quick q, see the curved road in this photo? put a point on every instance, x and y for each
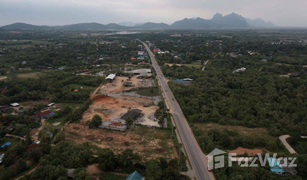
(194, 152)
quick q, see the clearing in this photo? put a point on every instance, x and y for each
(150, 143)
(34, 75)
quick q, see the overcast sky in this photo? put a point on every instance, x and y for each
(60, 12)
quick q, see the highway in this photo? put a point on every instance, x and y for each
(194, 152)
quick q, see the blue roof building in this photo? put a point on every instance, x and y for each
(275, 166)
(6, 144)
(179, 81)
(135, 176)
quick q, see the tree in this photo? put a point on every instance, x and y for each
(107, 160)
(96, 121)
(80, 174)
(302, 165)
(129, 122)
(21, 166)
(153, 170)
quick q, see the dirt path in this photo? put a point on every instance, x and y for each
(205, 63)
(283, 140)
(19, 137)
(94, 93)
(29, 172)
(35, 136)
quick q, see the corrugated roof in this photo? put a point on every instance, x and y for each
(135, 176)
(111, 76)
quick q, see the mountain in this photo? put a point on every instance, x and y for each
(260, 23)
(126, 23)
(115, 26)
(193, 23)
(231, 20)
(153, 25)
(82, 26)
(24, 26)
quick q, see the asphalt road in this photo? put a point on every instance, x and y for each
(194, 152)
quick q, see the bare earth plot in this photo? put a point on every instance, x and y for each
(148, 142)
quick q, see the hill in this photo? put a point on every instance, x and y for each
(259, 23)
(193, 23)
(153, 25)
(231, 20)
(24, 26)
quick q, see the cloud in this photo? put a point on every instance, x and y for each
(59, 12)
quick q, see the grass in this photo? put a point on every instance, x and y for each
(61, 119)
(147, 92)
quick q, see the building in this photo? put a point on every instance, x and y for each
(31, 146)
(133, 58)
(264, 60)
(135, 176)
(5, 109)
(110, 77)
(140, 53)
(133, 114)
(242, 69)
(6, 144)
(51, 104)
(140, 72)
(45, 114)
(14, 104)
(1, 157)
(187, 79)
(180, 81)
(275, 166)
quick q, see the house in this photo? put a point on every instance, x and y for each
(45, 114)
(51, 104)
(61, 68)
(50, 134)
(110, 77)
(31, 146)
(1, 157)
(295, 74)
(142, 63)
(275, 166)
(180, 81)
(140, 53)
(187, 79)
(133, 58)
(14, 104)
(242, 69)
(156, 50)
(264, 60)
(135, 176)
(287, 169)
(6, 144)
(5, 109)
(21, 111)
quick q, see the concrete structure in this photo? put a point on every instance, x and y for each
(140, 72)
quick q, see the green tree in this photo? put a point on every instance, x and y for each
(80, 174)
(107, 160)
(96, 121)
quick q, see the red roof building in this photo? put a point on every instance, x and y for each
(31, 146)
(133, 58)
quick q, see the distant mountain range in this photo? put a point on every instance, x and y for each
(232, 20)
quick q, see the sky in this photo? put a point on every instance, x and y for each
(290, 13)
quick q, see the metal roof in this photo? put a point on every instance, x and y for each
(111, 76)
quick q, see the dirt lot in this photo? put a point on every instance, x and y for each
(108, 107)
(148, 142)
(29, 75)
(250, 152)
(117, 85)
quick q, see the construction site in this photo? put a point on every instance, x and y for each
(115, 106)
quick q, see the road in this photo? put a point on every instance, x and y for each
(194, 152)
(284, 138)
